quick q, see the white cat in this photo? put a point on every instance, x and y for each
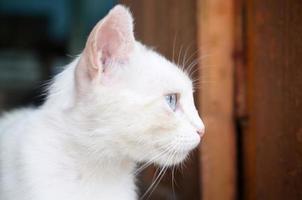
(117, 104)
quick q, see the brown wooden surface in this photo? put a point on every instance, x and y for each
(165, 25)
(216, 37)
(273, 140)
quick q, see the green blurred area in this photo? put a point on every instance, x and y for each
(37, 38)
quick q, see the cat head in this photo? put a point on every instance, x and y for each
(133, 98)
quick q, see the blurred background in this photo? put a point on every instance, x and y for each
(246, 58)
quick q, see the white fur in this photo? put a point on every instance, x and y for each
(85, 141)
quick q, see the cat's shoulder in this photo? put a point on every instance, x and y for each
(16, 114)
(9, 119)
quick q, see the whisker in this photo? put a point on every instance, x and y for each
(192, 56)
(147, 164)
(184, 60)
(169, 159)
(159, 180)
(150, 187)
(193, 64)
(153, 186)
(173, 178)
(173, 51)
(179, 55)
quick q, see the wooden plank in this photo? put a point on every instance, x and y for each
(275, 100)
(167, 25)
(218, 155)
(249, 135)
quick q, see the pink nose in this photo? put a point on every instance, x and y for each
(201, 131)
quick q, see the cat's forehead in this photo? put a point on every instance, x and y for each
(156, 72)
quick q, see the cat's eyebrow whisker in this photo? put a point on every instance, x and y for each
(197, 51)
(185, 60)
(195, 62)
(201, 69)
(193, 72)
(191, 56)
(205, 77)
(196, 80)
(179, 55)
(198, 86)
(191, 66)
(173, 51)
(199, 82)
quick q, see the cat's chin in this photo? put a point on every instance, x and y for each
(172, 160)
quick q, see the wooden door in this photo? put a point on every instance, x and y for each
(272, 140)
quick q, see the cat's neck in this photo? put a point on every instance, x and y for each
(101, 168)
(88, 158)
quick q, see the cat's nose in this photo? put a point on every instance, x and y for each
(201, 131)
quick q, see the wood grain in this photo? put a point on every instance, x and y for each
(218, 155)
(273, 137)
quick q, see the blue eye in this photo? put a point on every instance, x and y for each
(171, 100)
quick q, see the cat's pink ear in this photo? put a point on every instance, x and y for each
(111, 40)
